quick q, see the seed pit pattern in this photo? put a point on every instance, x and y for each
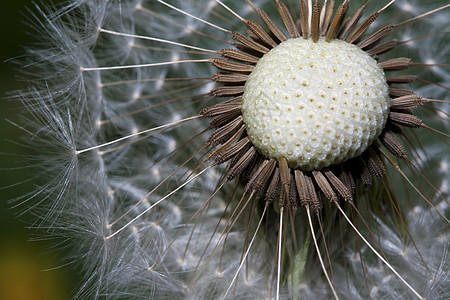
(286, 112)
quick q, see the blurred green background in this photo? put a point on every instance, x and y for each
(22, 262)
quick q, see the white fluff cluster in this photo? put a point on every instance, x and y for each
(184, 247)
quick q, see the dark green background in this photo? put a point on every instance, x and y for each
(22, 262)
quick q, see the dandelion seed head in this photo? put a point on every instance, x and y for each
(112, 206)
(346, 93)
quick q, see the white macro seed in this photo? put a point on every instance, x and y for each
(316, 104)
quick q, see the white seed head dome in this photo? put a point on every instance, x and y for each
(316, 104)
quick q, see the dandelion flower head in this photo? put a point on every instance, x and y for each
(212, 149)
